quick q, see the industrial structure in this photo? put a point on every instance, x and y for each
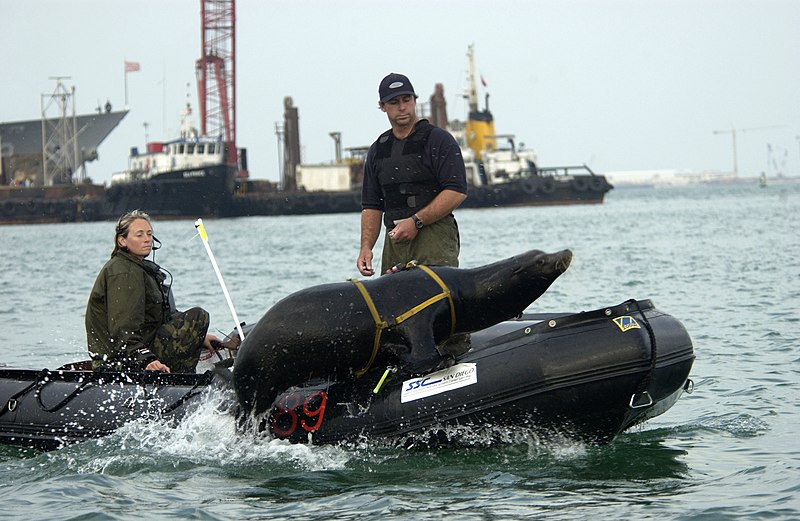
(216, 76)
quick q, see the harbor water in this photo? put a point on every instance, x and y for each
(725, 260)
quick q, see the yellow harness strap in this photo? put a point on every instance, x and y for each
(445, 293)
(380, 324)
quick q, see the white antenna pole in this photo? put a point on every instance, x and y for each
(203, 235)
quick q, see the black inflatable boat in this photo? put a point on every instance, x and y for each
(589, 376)
(48, 409)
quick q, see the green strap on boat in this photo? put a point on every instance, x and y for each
(381, 324)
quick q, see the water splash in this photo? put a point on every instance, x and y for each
(207, 436)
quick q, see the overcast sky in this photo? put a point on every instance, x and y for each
(617, 84)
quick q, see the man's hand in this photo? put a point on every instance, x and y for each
(364, 263)
(405, 230)
(370, 229)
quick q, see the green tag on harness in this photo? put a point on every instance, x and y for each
(383, 379)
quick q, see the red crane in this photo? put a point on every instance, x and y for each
(216, 75)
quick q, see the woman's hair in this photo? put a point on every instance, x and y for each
(124, 225)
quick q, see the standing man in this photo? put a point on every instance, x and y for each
(414, 177)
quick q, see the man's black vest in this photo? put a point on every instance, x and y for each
(406, 179)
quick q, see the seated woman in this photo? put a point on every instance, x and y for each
(131, 321)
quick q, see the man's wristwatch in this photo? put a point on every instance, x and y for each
(418, 222)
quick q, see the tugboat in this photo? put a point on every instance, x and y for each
(507, 175)
(187, 176)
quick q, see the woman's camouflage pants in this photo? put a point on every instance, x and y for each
(178, 341)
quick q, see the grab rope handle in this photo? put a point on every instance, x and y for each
(641, 398)
(44, 379)
(13, 400)
(191, 393)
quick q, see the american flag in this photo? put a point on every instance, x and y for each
(131, 66)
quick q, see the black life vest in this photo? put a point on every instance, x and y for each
(406, 177)
(167, 298)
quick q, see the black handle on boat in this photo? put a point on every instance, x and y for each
(11, 404)
(204, 380)
(44, 378)
(641, 398)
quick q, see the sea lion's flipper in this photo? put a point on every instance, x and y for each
(455, 345)
(422, 355)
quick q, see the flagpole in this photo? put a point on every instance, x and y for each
(129, 67)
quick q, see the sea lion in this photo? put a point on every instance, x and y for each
(330, 330)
